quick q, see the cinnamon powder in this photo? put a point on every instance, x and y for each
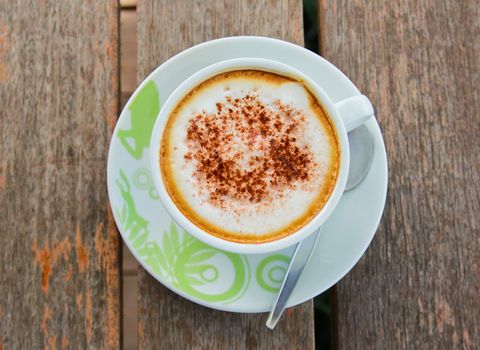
(247, 150)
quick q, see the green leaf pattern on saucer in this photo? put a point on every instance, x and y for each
(144, 109)
(191, 266)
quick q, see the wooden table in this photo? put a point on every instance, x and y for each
(418, 285)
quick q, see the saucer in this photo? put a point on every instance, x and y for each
(203, 274)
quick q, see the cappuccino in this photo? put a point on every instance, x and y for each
(249, 156)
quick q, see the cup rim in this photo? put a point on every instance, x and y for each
(231, 65)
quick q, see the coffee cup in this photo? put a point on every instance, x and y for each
(342, 116)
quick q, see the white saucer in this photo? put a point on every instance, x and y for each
(203, 274)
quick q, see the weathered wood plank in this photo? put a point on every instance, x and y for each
(59, 265)
(166, 320)
(168, 27)
(419, 284)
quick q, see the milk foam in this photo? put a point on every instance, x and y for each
(242, 218)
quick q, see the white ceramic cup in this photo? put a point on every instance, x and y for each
(344, 115)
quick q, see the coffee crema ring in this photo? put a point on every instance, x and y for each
(249, 156)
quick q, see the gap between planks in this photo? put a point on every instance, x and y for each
(128, 82)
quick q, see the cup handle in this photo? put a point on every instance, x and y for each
(355, 111)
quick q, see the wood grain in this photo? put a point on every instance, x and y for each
(165, 319)
(418, 286)
(59, 265)
(169, 27)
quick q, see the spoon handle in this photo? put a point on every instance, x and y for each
(301, 255)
